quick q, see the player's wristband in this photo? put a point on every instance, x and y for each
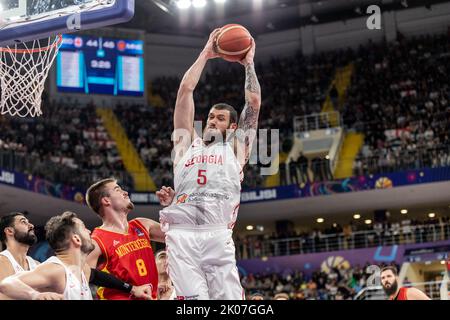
(107, 280)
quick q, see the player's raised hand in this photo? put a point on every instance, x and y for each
(210, 47)
(250, 55)
(165, 195)
(142, 292)
(48, 296)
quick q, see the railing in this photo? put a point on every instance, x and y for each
(341, 241)
(317, 121)
(436, 157)
(403, 160)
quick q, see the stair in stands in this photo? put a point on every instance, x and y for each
(353, 142)
(131, 159)
(274, 180)
(342, 80)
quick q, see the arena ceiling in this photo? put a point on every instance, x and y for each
(260, 16)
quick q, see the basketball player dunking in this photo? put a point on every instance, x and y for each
(207, 176)
(389, 281)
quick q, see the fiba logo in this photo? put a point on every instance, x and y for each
(383, 183)
(334, 262)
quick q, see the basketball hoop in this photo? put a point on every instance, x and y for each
(24, 68)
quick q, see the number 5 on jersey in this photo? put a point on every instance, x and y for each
(201, 180)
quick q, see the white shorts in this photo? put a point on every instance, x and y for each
(202, 263)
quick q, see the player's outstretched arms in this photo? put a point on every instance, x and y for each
(165, 196)
(248, 121)
(107, 280)
(27, 285)
(184, 106)
(154, 229)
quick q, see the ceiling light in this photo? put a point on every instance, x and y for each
(356, 216)
(220, 1)
(199, 3)
(403, 211)
(368, 221)
(183, 4)
(249, 227)
(320, 220)
(432, 215)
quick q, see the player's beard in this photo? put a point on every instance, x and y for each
(392, 289)
(27, 238)
(211, 135)
(87, 246)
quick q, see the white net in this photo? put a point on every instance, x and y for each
(23, 70)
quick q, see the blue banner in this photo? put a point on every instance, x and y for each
(42, 186)
(354, 184)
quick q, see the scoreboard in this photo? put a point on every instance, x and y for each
(96, 65)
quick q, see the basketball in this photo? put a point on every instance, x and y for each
(233, 42)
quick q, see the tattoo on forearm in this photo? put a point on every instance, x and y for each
(251, 80)
(248, 122)
(249, 118)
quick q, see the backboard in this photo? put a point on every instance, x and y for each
(25, 20)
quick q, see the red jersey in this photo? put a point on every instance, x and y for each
(129, 257)
(402, 294)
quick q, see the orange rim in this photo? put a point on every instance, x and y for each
(56, 43)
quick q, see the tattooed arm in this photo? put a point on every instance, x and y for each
(184, 105)
(248, 122)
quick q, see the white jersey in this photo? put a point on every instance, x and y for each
(207, 187)
(16, 266)
(74, 290)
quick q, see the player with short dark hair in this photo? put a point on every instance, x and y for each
(208, 172)
(122, 247)
(17, 236)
